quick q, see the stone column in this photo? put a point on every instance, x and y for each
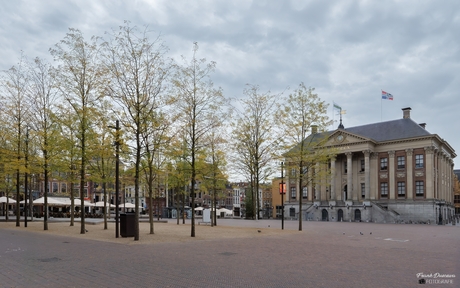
(333, 179)
(367, 174)
(446, 177)
(391, 175)
(317, 186)
(310, 186)
(374, 167)
(410, 174)
(349, 175)
(429, 172)
(442, 176)
(436, 173)
(451, 179)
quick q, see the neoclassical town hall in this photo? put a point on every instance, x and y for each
(393, 171)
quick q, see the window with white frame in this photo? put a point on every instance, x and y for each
(401, 189)
(383, 164)
(419, 188)
(384, 189)
(293, 192)
(419, 161)
(304, 192)
(401, 162)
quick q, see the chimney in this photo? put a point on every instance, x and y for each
(314, 129)
(406, 113)
(423, 125)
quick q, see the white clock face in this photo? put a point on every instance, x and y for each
(340, 137)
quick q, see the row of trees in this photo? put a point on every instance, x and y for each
(173, 119)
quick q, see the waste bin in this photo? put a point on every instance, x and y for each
(127, 221)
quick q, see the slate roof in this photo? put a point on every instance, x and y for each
(390, 130)
(382, 131)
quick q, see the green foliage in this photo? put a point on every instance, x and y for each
(304, 119)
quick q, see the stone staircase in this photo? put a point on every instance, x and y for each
(383, 214)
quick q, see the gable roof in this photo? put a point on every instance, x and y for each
(390, 130)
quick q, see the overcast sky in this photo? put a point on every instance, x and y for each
(348, 50)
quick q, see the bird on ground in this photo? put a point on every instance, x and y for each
(259, 231)
(86, 230)
(343, 233)
(361, 233)
(371, 233)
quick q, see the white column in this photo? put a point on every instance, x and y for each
(349, 175)
(391, 175)
(367, 174)
(451, 179)
(436, 173)
(333, 179)
(317, 186)
(429, 172)
(443, 176)
(375, 168)
(410, 174)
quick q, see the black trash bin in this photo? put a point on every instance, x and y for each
(127, 221)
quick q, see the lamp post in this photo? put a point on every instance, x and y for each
(25, 178)
(282, 192)
(117, 176)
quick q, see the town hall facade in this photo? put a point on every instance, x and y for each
(394, 172)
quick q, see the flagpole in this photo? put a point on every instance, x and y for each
(381, 104)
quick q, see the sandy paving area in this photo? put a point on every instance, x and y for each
(163, 232)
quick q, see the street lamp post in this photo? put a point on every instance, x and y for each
(25, 178)
(117, 177)
(282, 192)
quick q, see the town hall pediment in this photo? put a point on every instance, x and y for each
(341, 137)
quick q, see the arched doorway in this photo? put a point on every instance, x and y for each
(345, 194)
(358, 215)
(324, 215)
(340, 215)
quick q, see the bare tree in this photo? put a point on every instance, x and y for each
(155, 137)
(68, 158)
(80, 78)
(43, 99)
(138, 71)
(197, 102)
(214, 172)
(302, 113)
(102, 160)
(14, 82)
(255, 140)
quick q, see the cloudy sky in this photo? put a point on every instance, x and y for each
(348, 50)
